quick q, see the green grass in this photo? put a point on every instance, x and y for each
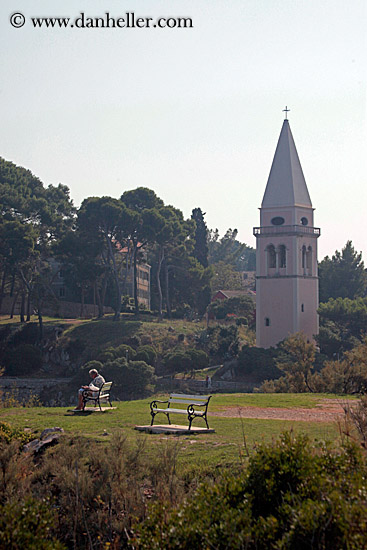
(224, 447)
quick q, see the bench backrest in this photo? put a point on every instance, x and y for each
(105, 388)
(201, 400)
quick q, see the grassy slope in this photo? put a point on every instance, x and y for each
(223, 447)
(103, 333)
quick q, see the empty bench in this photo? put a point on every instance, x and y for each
(102, 395)
(193, 406)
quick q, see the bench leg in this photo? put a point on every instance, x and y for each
(206, 422)
(169, 420)
(152, 414)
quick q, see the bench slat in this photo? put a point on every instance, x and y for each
(178, 411)
(188, 397)
(201, 404)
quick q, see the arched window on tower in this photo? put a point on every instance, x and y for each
(282, 256)
(271, 256)
(303, 257)
(309, 260)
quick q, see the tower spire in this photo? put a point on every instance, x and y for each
(286, 184)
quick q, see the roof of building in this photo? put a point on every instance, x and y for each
(286, 184)
(235, 293)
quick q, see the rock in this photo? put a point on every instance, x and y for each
(31, 446)
(48, 437)
(48, 431)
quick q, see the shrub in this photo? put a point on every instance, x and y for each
(199, 359)
(130, 379)
(27, 525)
(97, 365)
(8, 434)
(125, 351)
(177, 361)
(242, 306)
(294, 495)
(134, 341)
(106, 355)
(147, 354)
(257, 362)
(223, 341)
(242, 321)
(185, 360)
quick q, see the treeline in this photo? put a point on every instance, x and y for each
(41, 232)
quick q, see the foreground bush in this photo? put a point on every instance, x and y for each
(8, 434)
(293, 496)
(27, 526)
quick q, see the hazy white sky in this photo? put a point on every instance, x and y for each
(194, 114)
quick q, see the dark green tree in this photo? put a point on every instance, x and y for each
(201, 237)
(165, 227)
(343, 324)
(242, 306)
(79, 255)
(39, 216)
(343, 275)
(225, 277)
(109, 221)
(230, 251)
(138, 234)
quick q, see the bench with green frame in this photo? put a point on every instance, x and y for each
(194, 406)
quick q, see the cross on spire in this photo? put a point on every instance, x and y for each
(286, 111)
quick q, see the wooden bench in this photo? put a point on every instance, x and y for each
(193, 406)
(102, 394)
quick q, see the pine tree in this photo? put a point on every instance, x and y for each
(343, 276)
(201, 237)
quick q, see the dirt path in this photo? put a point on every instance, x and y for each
(328, 410)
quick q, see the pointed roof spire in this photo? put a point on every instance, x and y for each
(286, 184)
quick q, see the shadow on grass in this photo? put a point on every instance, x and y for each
(71, 412)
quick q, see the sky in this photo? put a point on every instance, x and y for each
(193, 113)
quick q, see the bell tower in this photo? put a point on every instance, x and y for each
(286, 251)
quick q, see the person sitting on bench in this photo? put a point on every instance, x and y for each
(93, 388)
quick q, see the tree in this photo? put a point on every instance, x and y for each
(17, 244)
(78, 253)
(343, 275)
(242, 306)
(201, 237)
(165, 227)
(109, 221)
(138, 201)
(225, 277)
(230, 251)
(34, 217)
(343, 324)
(347, 375)
(296, 360)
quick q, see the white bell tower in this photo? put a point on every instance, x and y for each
(286, 251)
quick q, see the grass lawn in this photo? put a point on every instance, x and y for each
(224, 447)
